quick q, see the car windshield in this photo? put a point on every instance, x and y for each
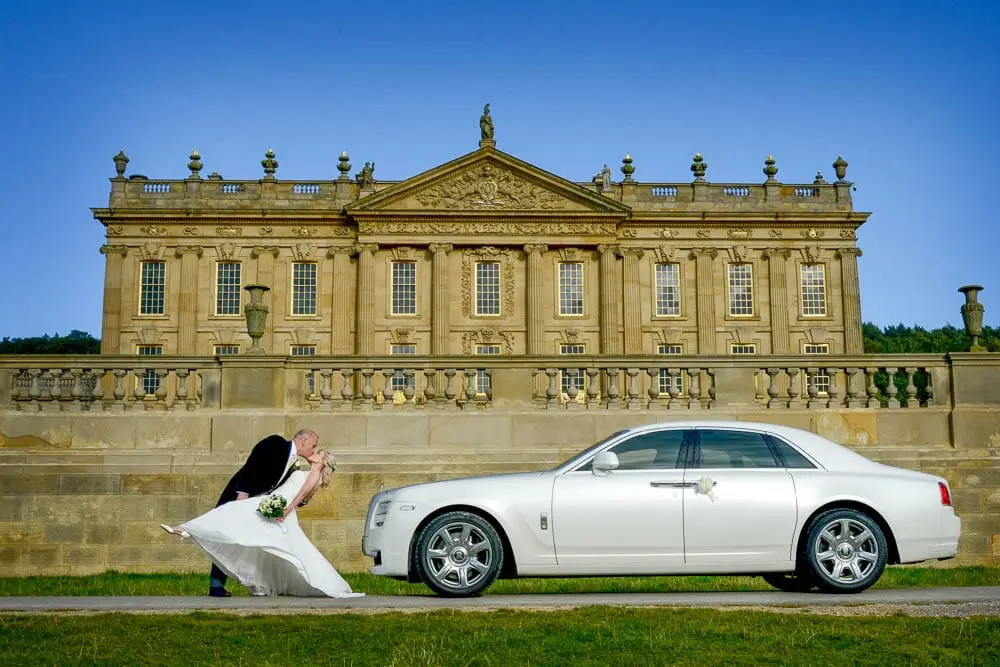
(591, 449)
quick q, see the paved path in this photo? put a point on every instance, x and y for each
(388, 603)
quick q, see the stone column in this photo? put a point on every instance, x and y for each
(341, 311)
(851, 291)
(632, 300)
(187, 306)
(610, 295)
(440, 301)
(705, 280)
(777, 263)
(111, 320)
(365, 299)
(535, 284)
(265, 256)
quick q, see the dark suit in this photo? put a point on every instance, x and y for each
(263, 471)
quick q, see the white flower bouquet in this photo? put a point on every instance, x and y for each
(273, 507)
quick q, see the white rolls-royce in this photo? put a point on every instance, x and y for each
(699, 497)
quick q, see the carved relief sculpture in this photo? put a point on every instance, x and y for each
(489, 187)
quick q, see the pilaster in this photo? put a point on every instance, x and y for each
(365, 299)
(705, 280)
(633, 305)
(440, 302)
(341, 311)
(777, 266)
(851, 291)
(187, 306)
(265, 256)
(610, 294)
(111, 319)
(535, 341)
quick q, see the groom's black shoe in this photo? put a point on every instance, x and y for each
(219, 592)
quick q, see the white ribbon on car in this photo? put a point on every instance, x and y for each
(706, 487)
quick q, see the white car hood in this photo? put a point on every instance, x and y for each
(453, 489)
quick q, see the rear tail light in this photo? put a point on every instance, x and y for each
(945, 494)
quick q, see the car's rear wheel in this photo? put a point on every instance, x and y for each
(790, 583)
(846, 551)
(459, 554)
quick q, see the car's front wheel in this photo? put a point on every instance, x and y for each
(459, 554)
(846, 551)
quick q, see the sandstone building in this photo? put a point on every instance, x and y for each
(485, 254)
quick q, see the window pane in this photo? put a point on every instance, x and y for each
(404, 288)
(575, 378)
(303, 288)
(571, 288)
(306, 351)
(668, 290)
(150, 381)
(666, 378)
(743, 348)
(482, 377)
(222, 350)
(398, 381)
(813, 289)
(650, 451)
(487, 288)
(732, 449)
(227, 288)
(791, 456)
(152, 288)
(740, 289)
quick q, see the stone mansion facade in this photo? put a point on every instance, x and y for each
(485, 254)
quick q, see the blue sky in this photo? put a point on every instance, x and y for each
(906, 91)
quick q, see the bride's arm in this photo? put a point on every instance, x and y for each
(308, 487)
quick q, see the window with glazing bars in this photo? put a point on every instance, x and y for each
(150, 381)
(740, 290)
(487, 288)
(227, 288)
(152, 288)
(306, 351)
(568, 380)
(398, 381)
(668, 300)
(482, 377)
(813, 290)
(224, 350)
(404, 288)
(304, 288)
(822, 378)
(666, 378)
(571, 288)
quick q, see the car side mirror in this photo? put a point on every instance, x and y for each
(604, 462)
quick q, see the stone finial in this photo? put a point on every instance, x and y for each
(972, 315)
(120, 161)
(269, 164)
(698, 168)
(628, 168)
(840, 166)
(343, 165)
(195, 165)
(819, 180)
(770, 170)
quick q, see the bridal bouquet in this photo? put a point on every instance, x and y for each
(273, 507)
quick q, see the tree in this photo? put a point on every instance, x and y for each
(77, 342)
(901, 339)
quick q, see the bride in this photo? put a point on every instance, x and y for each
(270, 557)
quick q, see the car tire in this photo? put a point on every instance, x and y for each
(459, 554)
(846, 551)
(790, 583)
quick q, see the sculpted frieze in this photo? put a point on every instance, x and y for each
(489, 187)
(479, 228)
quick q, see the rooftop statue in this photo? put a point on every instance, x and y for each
(486, 124)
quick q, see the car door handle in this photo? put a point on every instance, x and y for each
(675, 485)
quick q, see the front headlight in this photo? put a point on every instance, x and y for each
(381, 510)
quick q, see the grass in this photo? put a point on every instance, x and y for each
(589, 636)
(118, 583)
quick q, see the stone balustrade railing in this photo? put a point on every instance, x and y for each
(123, 383)
(822, 196)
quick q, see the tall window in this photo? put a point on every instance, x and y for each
(404, 288)
(482, 377)
(306, 351)
(571, 288)
(813, 290)
(152, 286)
(487, 288)
(227, 288)
(569, 380)
(741, 290)
(226, 350)
(667, 378)
(822, 377)
(398, 382)
(150, 381)
(303, 288)
(668, 300)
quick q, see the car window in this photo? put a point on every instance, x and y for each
(732, 449)
(792, 457)
(656, 450)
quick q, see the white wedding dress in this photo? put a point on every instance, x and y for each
(262, 556)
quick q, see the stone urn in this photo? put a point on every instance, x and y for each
(972, 315)
(256, 314)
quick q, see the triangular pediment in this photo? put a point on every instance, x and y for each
(488, 181)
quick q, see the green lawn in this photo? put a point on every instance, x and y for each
(116, 583)
(590, 636)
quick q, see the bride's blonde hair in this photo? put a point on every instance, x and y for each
(329, 465)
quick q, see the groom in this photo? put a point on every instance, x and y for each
(267, 467)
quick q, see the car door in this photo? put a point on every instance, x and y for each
(748, 516)
(628, 520)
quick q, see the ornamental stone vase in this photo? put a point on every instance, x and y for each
(256, 314)
(972, 315)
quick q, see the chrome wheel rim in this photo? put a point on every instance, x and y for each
(459, 555)
(846, 551)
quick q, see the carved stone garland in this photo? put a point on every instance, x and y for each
(487, 253)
